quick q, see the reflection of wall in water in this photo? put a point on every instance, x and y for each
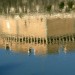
(53, 49)
(37, 49)
(70, 47)
(57, 48)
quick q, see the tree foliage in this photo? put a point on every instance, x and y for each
(49, 8)
(61, 5)
(31, 4)
(70, 4)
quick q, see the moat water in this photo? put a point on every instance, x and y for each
(53, 60)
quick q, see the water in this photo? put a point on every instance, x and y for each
(56, 61)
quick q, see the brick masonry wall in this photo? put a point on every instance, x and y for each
(29, 26)
(58, 26)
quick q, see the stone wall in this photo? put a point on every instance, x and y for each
(60, 26)
(28, 25)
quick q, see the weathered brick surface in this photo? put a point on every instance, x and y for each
(57, 27)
